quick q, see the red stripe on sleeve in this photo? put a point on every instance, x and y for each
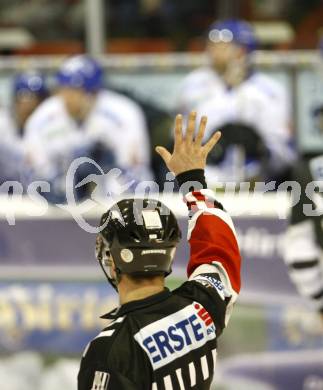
(198, 195)
(213, 240)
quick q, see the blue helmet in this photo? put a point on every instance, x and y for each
(233, 30)
(82, 72)
(30, 82)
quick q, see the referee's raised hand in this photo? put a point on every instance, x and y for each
(188, 153)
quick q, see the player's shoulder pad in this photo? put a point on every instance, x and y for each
(268, 85)
(121, 110)
(197, 77)
(48, 110)
(118, 102)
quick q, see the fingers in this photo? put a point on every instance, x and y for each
(212, 142)
(200, 134)
(178, 130)
(164, 153)
(190, 127)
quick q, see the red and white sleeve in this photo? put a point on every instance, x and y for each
(213, 241)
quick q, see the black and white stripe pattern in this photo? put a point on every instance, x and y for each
(188, 376)
(101, 380)
(304, 259)
(111, 328)
(107, 332)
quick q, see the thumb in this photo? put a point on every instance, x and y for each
(164, 153)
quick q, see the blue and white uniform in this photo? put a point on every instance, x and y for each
(255, 101)
(53, 138)
(114, 124)
(259, 101)
(13, 165)
(11, 148)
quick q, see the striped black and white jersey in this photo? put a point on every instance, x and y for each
(169, 340)
(304, 240)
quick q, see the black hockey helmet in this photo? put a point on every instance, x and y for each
(141, 236)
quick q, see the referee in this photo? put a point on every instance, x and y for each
(159, 339)
(304, 238)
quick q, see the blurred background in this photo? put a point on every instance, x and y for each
(102, 80)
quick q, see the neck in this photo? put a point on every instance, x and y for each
(128, 292)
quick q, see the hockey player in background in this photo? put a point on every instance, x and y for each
(28, 92)
(84, 119)
(251, 108)
(304, 239)
(158, 339)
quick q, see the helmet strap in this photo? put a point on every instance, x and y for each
(112, 281)
(118, 276)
